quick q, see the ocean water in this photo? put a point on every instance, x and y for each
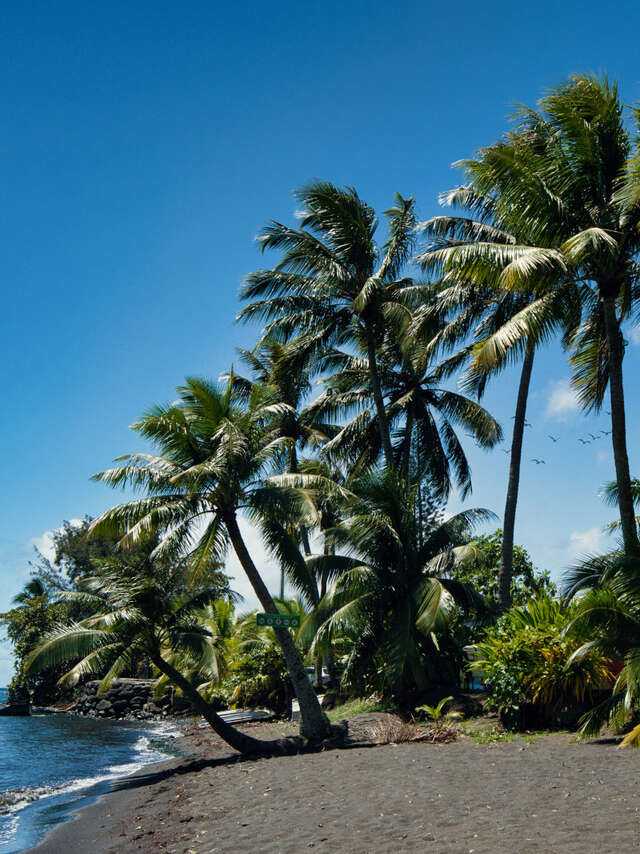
(51, 765)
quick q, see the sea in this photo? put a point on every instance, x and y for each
(53, 764)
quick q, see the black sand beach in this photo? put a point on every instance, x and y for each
(552, 796)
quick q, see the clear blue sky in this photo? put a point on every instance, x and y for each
(145, 145)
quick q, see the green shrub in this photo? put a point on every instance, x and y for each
(259, 679)
(530, 674)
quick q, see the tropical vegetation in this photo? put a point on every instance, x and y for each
(401, 324)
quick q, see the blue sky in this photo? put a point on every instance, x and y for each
(146, 144)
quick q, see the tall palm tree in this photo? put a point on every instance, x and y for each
(392, 591)
(333, 281)
(569, 181)
(214, 450)
(595, 169)
(307, 573)
(285, 368)
(472, 298)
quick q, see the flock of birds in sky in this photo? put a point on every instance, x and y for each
(586, 440)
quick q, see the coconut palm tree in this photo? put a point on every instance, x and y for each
(333, 281)
(568, 182)
(214, 449)
(421, 411)
(142, 610)
(217, 618)
(307, 573)
(471, 298)
(392, 594)
(287, 369)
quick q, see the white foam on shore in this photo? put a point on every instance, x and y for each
(14, 800)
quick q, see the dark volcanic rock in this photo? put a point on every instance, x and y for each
(128, 698)
(20, 710)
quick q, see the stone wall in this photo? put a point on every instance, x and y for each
(129, 699)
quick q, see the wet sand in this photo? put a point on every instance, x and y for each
(551, 796)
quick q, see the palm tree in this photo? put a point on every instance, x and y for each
(421, 411)
(33, 591)
(284, 368)
(333, 283)
(569, 183)
(307, 573)
(474, 302)
(142, 611)
(597, 172)
(215, 448)
(217, 618)
(606, 593)
(392, 593)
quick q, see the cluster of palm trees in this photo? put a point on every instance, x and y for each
(348, 488)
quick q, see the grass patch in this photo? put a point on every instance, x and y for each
(494, 735)
(354, 707)
(491, 736)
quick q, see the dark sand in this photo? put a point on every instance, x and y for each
(551, 796)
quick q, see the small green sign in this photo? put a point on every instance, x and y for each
(283, 621)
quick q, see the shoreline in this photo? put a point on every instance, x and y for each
(547, 795)
(88, 826)
(80, 832)
(32, 810)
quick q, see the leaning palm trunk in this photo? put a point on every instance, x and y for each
(240, 741)
(236, 739)
(505, 573)
(314, 724)
(618, 428)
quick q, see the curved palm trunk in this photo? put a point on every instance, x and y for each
(383, 422)
(505, 573)
(233, 737)
(618, 427)
(314, 724)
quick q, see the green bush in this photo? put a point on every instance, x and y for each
(259, 679)
(531, 675)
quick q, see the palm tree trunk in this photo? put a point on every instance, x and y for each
(406, 449)
(383, 423)
(304, 534)
(505, 573)
(238, 740)
(618, 427)
(314, 724)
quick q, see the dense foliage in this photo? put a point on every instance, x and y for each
(532, 675)
(348, 489)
